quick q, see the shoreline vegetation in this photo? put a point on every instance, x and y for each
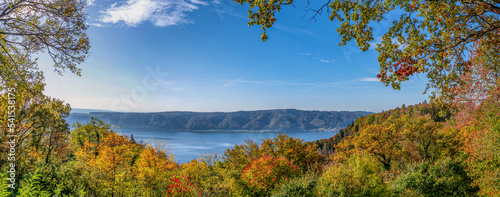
(289, 120)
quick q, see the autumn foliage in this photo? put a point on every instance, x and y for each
(264, 173)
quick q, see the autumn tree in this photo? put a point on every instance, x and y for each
(28, 27)
(423, 137)
(382, 141)
(265, 173)
(56, 27)
(153, 170)
(39, 129)
(428, 37)
(107, 166)
(482, 144)
(305, 156)
(359, 176)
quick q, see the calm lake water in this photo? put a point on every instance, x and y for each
(187, 146)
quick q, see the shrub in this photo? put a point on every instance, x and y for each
(444, 178)
(301, 186)
(359, 176)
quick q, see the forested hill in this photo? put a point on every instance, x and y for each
(281, 120)
(404, 114)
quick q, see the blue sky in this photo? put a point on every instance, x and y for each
(200, 55)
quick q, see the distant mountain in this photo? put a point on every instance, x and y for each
(276, 120)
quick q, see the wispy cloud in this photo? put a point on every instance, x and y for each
(161, 13)
(294, 30)
(229, 12)
(90, 2)
(317, 58)
(326, 61)
(96, 24)
(369, 79)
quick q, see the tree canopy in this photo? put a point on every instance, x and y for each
(56, 27)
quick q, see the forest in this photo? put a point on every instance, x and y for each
(277, 120)
(449, 146)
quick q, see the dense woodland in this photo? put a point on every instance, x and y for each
(275, 120)
(411, 150)
(447, 147)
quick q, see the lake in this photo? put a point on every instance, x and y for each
(189, 145)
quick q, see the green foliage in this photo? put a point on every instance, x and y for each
(443, 178)
(262, 13)
(303, 186)
(4, 190)
(360, 176)
(92, 132)
(31, 186)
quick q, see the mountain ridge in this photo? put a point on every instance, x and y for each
(273, 119)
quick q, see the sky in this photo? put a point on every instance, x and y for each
(200, 55)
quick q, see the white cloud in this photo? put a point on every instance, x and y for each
(90, 2)
(373, 45)
(324, 60)
(96, 24)
(161, 13)
(370, 79)
(294, 30)
(327, 61)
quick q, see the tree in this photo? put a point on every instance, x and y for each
(55, 26)
(153, 169)
(422, 135)
(305, 156)
(430, 37)
(107, 166)
(380, 141)
(359, 176)
(482, 144)
(38, 121)
(443, 178)
(265, 173)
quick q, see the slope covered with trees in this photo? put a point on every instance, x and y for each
(281, 120)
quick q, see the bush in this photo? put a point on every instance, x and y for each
(359, 176)
(444, 178)
(303, 186)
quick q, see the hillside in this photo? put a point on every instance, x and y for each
(277, 120)
(327, 146)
